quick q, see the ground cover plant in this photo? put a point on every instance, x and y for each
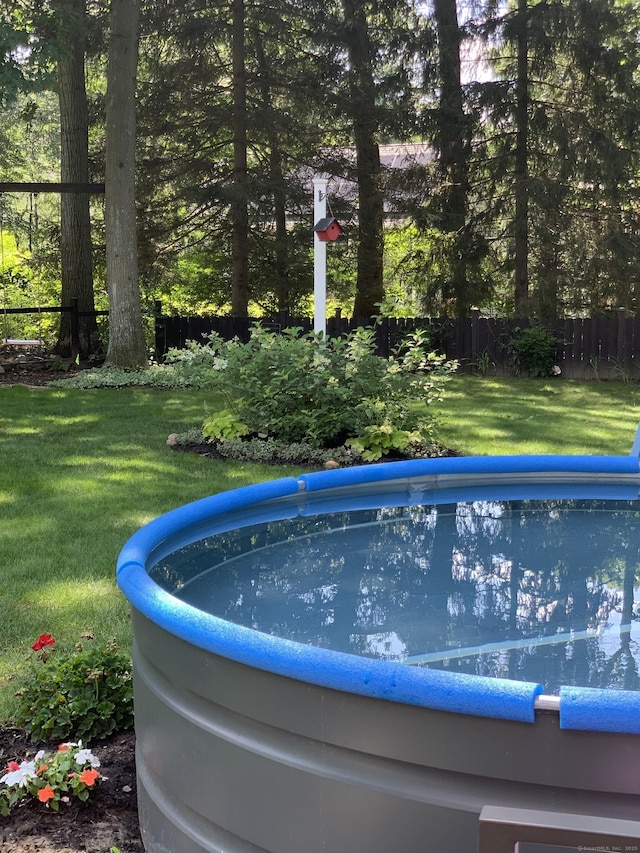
(53, 777)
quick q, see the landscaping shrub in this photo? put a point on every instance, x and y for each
(87, 693)
(321, 392)
(532, 351)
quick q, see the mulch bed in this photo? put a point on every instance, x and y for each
(33, 376)
(108, 819)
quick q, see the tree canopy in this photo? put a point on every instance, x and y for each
(526, 204)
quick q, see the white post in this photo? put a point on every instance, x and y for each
(319, 258)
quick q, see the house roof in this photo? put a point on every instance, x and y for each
(400, 155)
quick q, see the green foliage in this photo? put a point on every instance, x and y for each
(222, 426)
(108, 376)
(533, 351)
(87, 693)
(269, 452)
(377, 441)
(483, 363)
(301, 388)
(193, 435)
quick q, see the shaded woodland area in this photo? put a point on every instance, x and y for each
(207, 122)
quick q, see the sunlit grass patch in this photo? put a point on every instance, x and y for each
(504, 415)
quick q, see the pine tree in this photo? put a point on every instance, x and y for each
(126, 333)
(558, 158)
(75, 222)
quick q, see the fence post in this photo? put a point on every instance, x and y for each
(159, 331)
(75, 328)
(334, 324)
(621, 353)
(475, 330)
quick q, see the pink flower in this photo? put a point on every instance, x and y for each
(42, 641)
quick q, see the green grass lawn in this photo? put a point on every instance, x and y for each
(482, 416)
(83, 470)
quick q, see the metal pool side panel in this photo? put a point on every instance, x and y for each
(236, 759)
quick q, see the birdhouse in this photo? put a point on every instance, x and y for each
(328, 229)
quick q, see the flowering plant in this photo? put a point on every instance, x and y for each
(42, 642)
(85, 693)
(50, 777)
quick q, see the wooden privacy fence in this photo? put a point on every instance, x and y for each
(590, 348)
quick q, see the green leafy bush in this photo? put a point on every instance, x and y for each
(379, 440)
(87, 693)
(533, 351)
(299, 388)
(222, 426)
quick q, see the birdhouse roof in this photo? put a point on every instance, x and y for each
(325, 224)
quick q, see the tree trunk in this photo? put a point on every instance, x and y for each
(281, 248)
(369, 285)
(126, 333)
(240, 197)
(453, 150)
(75, 221)
(545, 299)
(521, 189)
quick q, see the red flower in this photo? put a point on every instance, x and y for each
(12, 766)
(45, 794)
(42, 641)
(88, 777)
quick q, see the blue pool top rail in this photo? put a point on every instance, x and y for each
(579, 708)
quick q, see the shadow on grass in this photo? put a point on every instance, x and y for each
(496, 416)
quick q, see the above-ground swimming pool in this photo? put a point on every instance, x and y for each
(365, 659)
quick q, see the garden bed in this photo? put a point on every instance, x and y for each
(108, 819)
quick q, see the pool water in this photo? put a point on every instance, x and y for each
(534, 590)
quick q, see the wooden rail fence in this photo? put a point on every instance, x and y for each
(72, 309)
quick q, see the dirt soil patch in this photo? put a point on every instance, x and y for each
(108, 819)
(33, 375)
